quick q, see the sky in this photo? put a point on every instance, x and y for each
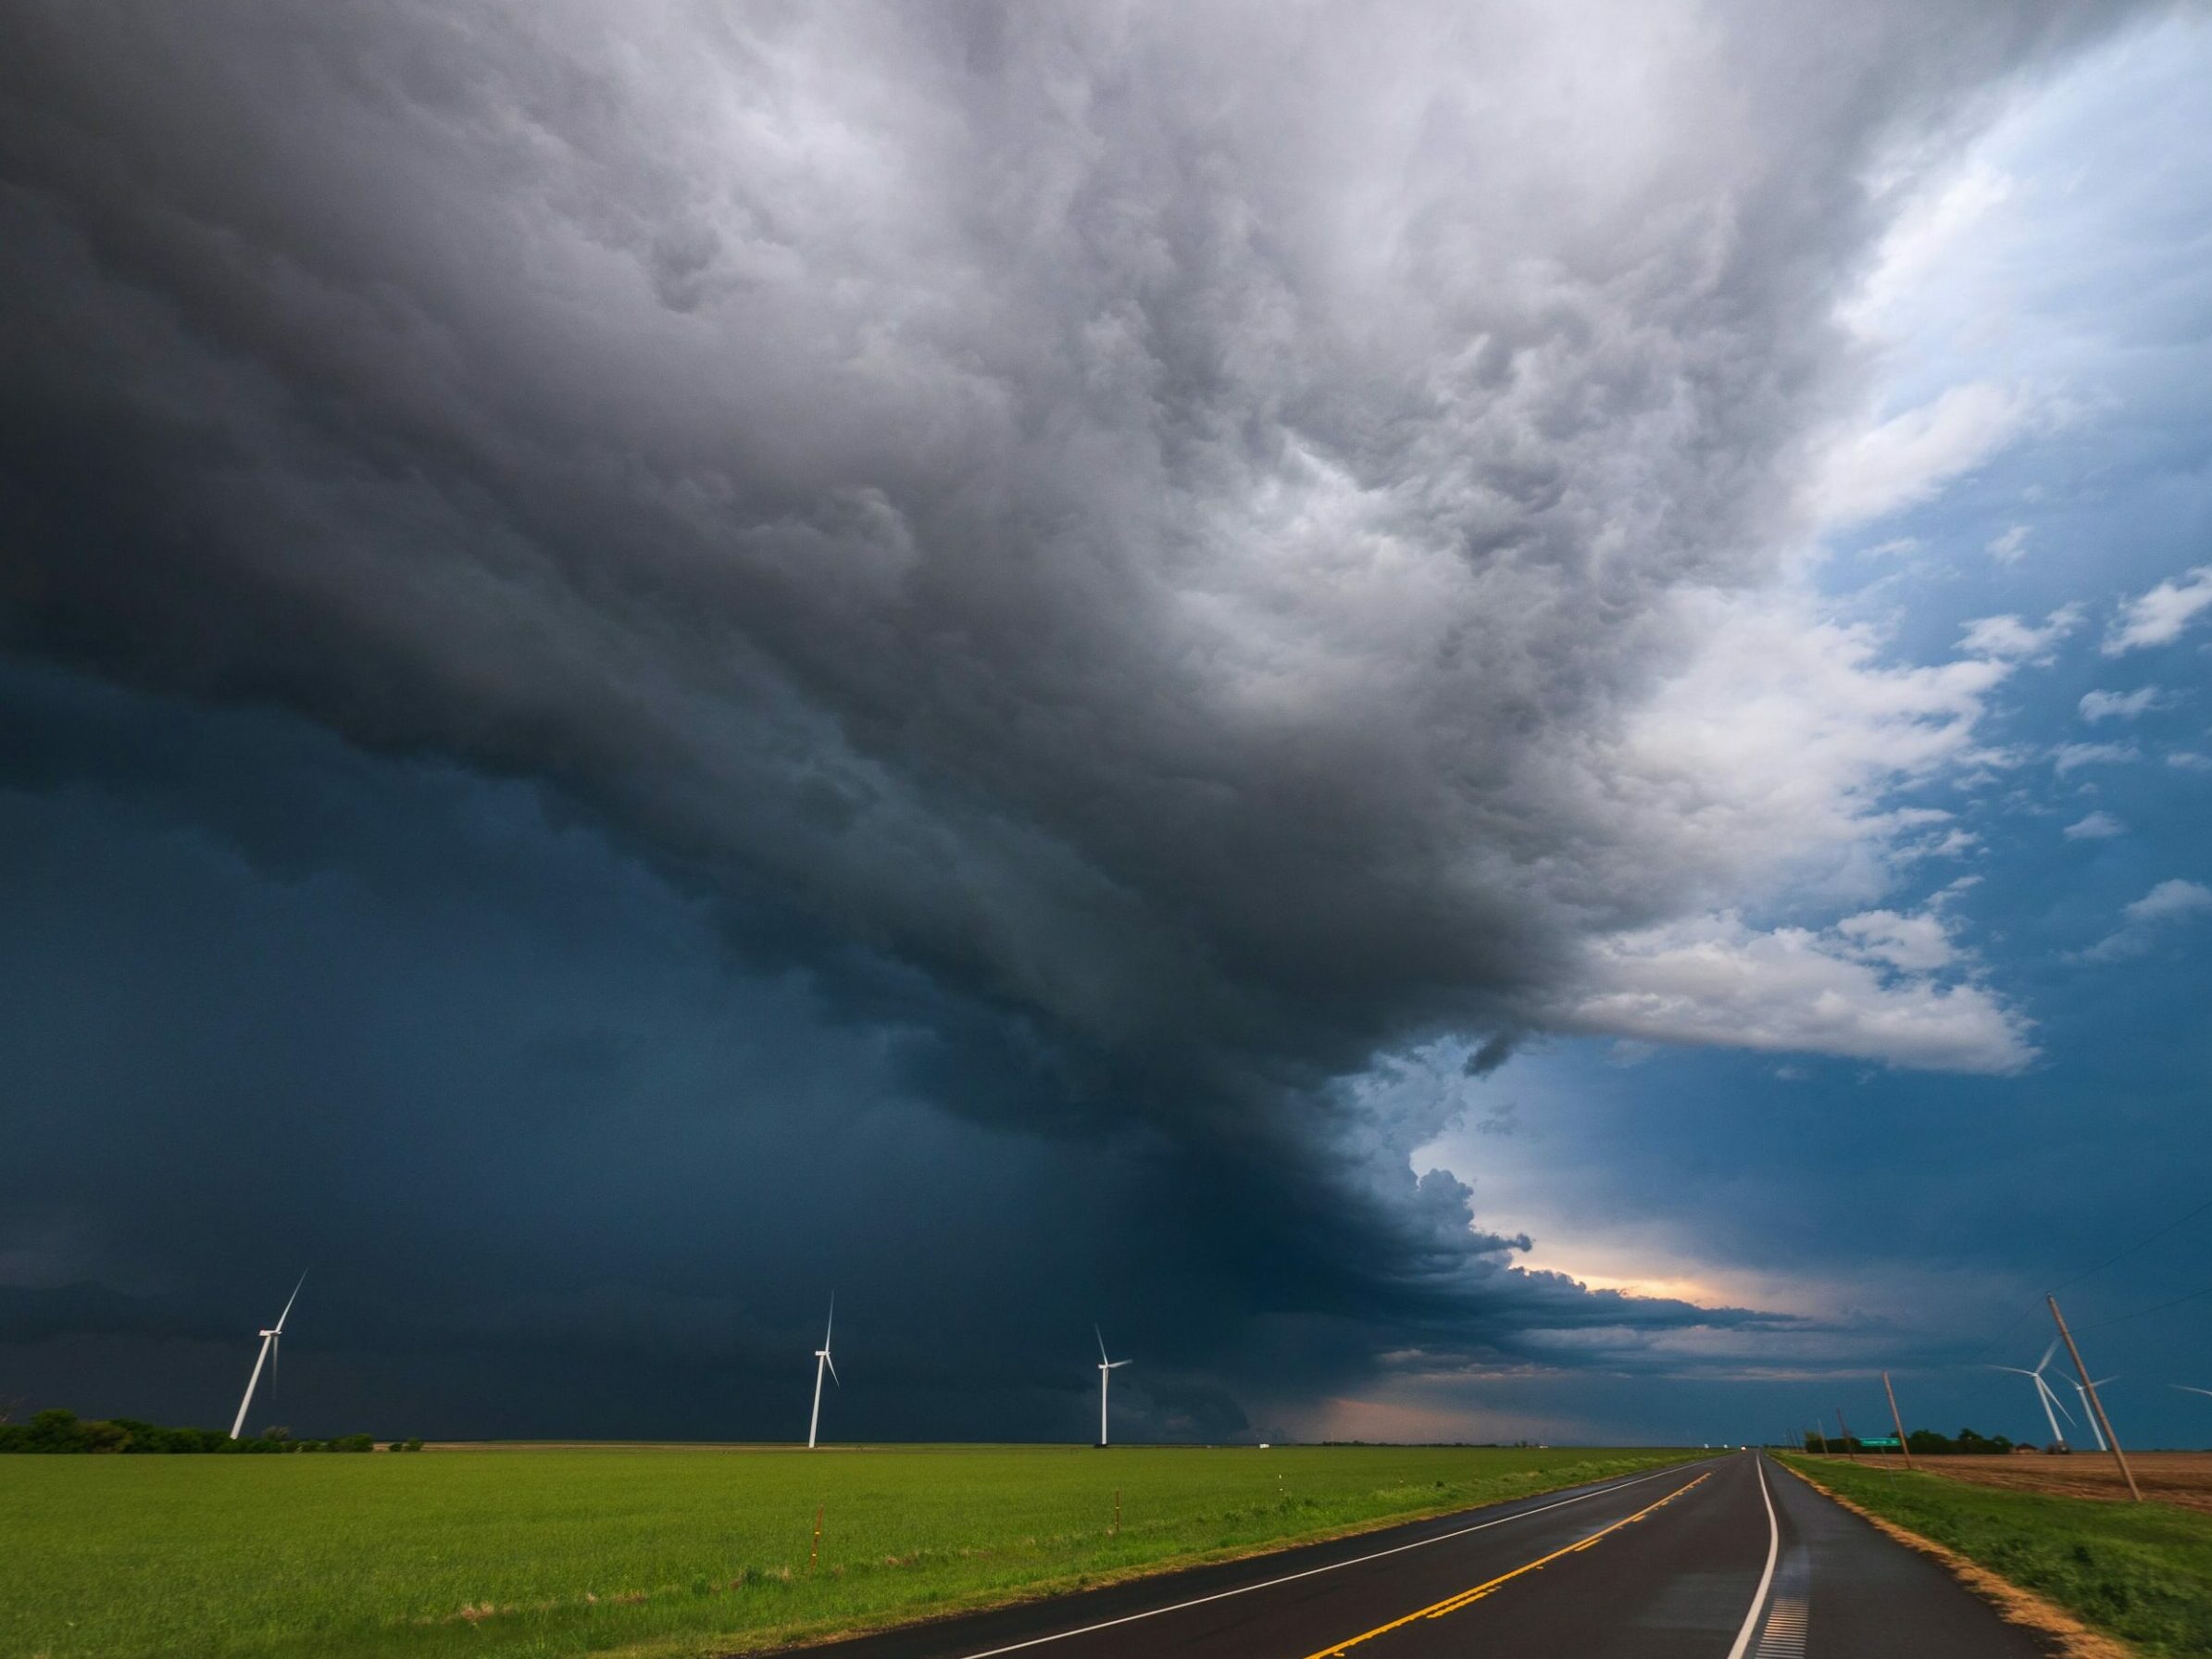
(1481, 722)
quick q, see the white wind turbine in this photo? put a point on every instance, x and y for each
(2042, 1391)
(270, 1341)
(2096, 1433)
(1105, 1365)
(821, 1359)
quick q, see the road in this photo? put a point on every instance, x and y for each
(1730, 1558)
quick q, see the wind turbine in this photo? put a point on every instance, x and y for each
(269, 1340)
(821, 1359)
(2043, 1392)
(1105, 1365)
(2098, 1434)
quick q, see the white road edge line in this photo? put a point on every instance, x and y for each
(1419, 1543)
(1751, 1619)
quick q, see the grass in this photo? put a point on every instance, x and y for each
(2140, 1572)
(510, 1552)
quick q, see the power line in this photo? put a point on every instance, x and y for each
(2035, 1308)
(2142, 1311)
(1990, 1347)
(2131, 1249)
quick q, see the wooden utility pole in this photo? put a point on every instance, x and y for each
(1896, 1419)
(2096, 1405)
(1846, 1429)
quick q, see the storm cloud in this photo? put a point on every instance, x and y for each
(1122, 563)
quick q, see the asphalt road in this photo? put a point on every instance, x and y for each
(1731, 1558)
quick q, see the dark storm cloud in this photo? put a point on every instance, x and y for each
(1117, 543)
(541, 1134)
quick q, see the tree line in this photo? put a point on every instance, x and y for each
(59, 1430)
(1923, 1443)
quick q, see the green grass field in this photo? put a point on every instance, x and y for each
(541, 1551)
(2140, 1572)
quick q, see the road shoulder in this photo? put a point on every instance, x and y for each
(2069, 1636)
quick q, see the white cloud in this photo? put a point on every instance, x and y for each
(2009, 637)
(2123, 705)
(2189, 760)
(2163, 906)
(1951, 890)
(1909, 457)
(1771, 764)
(2097, 826)
(1952, 843)
(1767, 768)
(2066, 758)
(2158, 617)
(1915, 943)
(1920, 246)
(1866, 989)
(2169, 900)
(2009, 548)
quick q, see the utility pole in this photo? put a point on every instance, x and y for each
(1846, 1429)
(2096, 1405)
(1896, 1419)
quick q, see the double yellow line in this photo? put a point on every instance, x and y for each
(1453, 1603)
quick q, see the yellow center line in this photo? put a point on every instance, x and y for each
(1452, 1604)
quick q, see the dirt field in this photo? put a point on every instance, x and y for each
(2178, 1477)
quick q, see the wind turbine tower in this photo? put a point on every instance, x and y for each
(2096, 1433)
(1106, 1366)
(822, 1360)
(269, 1340)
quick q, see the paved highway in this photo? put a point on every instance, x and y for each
(1731, 1558)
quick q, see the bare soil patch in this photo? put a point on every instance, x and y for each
(2183, 1478)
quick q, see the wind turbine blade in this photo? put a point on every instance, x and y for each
(2187, 1390)
(833, 1324)
(1101, 1336)
(289, 1301)
(832, 1364)
(2047, 1353)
